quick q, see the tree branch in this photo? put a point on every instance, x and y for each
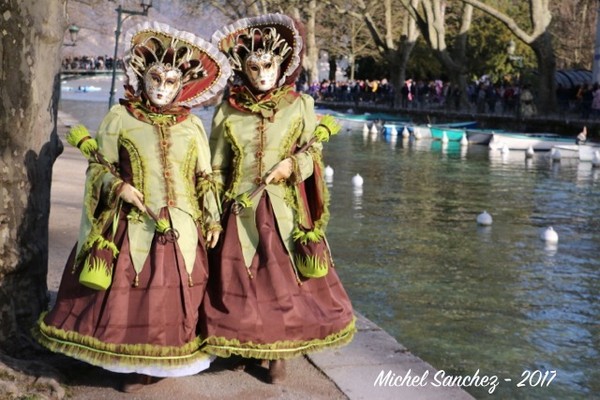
(506, 20)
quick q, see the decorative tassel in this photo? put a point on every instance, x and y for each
(80, 137)
(327, 127)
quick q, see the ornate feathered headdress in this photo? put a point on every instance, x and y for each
(204, 69)
(277, 34)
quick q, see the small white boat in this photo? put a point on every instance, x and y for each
(584, 152)
(522, 141)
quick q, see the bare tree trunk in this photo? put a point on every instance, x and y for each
(546, 88)
(311, 58)
(29, 144)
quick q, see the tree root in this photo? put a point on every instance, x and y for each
(29, 379)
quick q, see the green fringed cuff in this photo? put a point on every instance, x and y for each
(284, 349)
(213, 226)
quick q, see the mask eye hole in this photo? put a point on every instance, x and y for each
(155, 79)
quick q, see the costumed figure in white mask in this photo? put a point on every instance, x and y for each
(261, 303)
(150, 212)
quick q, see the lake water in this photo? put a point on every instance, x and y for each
(494, 301)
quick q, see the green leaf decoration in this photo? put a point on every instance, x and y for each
(244, 200)
(163, 225)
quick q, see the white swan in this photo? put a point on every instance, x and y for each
(328, 171)
(357, 180)
(549, 235)
(484, 218)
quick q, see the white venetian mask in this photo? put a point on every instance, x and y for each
(262, 70)
(162, 84)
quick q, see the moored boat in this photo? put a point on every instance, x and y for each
(354, 121)
(481, 136)
(523, 141)
(454, 131)
(583, 152)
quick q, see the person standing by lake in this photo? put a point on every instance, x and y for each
(259, 305)
(150, 211)
(527, 105)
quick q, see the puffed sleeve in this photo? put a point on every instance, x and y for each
(100, 184)
(206, 187)
(108, 145)
(220, 149)
(303, 163)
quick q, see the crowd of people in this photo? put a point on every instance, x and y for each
(483, 96)
(90, 63)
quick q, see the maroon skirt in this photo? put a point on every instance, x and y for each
(149, 328)
(266, 313)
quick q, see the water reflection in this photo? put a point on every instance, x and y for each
(550, 248)
(466, 297)
(462, 296)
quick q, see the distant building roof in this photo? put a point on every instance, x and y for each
(571, 78)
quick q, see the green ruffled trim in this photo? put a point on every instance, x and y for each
(290, 137)
(96, 352)
(238, 156)
(284, 349)
(137, 164)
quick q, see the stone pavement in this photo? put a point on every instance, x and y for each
(349, 372)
